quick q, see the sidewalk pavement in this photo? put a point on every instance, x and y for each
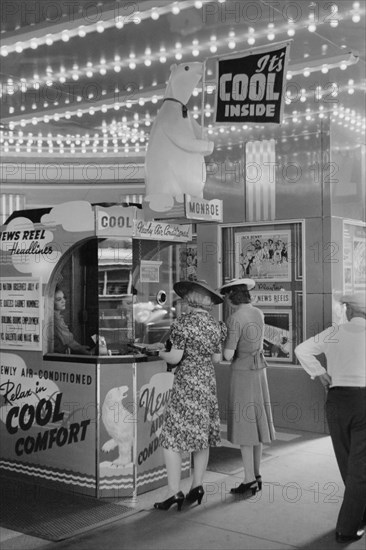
(297, 508)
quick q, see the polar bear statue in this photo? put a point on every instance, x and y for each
(174, 163)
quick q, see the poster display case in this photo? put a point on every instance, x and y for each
(354, 256)
(87, 419)
(272, 255)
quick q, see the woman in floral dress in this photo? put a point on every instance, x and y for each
(191, 420)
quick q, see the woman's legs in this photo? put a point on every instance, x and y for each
(247, 453)
(257, 451)
(173, 462)
(200, 460)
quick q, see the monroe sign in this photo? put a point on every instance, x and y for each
(251, 86)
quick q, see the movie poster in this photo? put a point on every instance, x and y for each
(20, 304)
(359, 262)
(263, 256)
(277, 343)
(354, 257)
(188, 263)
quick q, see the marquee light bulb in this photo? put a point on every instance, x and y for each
(119, 22)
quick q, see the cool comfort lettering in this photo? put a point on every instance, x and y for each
(34, 406)
(23, 417)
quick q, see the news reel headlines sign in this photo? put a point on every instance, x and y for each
(251, 86)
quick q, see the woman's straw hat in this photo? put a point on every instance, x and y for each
(183, 287)
(249, 283)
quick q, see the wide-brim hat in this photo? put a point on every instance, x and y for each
(183, 287)
(249, 283)
(356, 300)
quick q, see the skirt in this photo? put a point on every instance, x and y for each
(249, 415)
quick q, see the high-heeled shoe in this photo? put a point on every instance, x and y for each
(166, 504)
(251, 487)
(195, 494)
(259, 482)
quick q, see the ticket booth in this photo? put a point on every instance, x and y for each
(86, 292)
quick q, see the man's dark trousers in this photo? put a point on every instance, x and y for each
(346, 415)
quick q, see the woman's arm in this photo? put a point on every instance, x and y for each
(172, 357)
(228, 354)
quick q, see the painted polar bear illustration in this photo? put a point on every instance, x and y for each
(174, 163)
(118, 423)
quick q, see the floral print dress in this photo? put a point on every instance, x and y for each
(191, 419)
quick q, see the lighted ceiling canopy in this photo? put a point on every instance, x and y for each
(89, 77)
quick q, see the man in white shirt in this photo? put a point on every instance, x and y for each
(345, 379)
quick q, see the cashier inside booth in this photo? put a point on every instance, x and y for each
(113, 297)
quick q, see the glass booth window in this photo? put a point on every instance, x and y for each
(271, 254)
(112, 296)
(156, 267)
(115, 296)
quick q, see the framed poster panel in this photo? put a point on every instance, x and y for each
(354, 257)
(359, 262)
(21, 318)
(188, 262)
(277, 343)
(263, 255)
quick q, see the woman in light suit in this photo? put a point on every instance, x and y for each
(250, 421)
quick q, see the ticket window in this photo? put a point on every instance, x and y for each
(72, 300)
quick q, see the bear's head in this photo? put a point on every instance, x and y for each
(183, 80)
(115, 395)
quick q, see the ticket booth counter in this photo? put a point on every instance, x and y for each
(88, 418)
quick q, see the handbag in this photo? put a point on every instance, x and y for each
(259, 362)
